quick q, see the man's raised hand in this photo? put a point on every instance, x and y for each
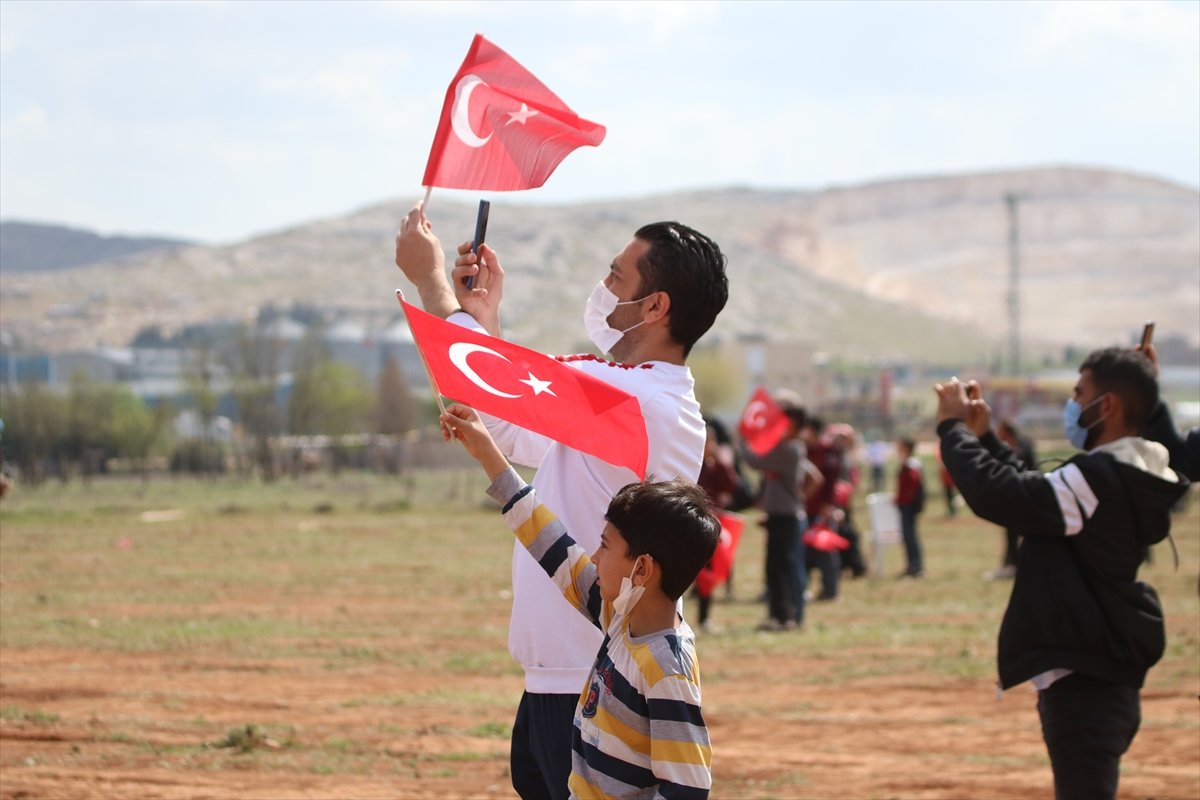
(420, 257)
(482, 299)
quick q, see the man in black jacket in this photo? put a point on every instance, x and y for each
(1079, 624)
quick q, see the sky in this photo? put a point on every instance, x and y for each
(217, 120)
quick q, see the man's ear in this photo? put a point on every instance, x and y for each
(1113, 410)
(659, 307)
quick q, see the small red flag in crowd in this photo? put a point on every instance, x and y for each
(717, 570)
(501, 128)
(763, 422)
(531, 390)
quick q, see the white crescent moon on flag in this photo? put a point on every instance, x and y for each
(754, 414)
(460, 118)
(458, 356)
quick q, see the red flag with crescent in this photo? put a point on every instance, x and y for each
(763, 422)
(501, 129)
(717, 570)
(531, 390)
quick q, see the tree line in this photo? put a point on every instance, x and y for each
(80, 431)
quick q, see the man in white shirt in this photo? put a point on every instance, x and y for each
(663, 291)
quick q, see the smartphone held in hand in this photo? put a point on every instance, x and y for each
(481, 221)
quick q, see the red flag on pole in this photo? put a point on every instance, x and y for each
(501, 128)
(531, 390)
(763, 422)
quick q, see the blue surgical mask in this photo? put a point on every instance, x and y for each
(1077, 434)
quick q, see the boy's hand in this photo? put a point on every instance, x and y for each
(464, 424)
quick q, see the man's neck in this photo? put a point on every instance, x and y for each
(1108, 436)
(644, 351)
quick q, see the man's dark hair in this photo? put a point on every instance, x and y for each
(795, 414)
(690, 268)
(1129, 375)
(673, 523)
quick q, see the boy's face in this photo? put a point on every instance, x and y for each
(612, 562)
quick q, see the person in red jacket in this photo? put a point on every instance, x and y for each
(910, 500)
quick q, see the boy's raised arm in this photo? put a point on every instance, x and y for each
(535, 526)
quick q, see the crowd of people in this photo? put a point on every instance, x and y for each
(612, 702)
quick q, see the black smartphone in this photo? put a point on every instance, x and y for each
(481, 220)
(1147, 333)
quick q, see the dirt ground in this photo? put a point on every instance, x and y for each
(129, 725)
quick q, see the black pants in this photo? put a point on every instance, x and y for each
(540, 757)
(1088, 724)
(786, 575)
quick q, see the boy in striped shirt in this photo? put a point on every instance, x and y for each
(638, 730)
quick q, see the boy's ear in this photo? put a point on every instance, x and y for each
(643, 569)
(648, 569)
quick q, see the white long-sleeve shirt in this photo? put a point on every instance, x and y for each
(553, 643)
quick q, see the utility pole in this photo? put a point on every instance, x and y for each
(1014, 285)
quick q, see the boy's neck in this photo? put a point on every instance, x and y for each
(654, 612)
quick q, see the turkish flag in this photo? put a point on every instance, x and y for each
(763, 422)
(823, 538)
(717, 570)
(501, 128)
(532, 390)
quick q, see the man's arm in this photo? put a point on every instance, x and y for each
(419, 256)
(1184, 452)
(547, 540)
(1026, 501)
(777, 459)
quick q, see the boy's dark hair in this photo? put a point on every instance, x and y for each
(673, 523)
(909, 443)
(1129, 375)
(690, 268)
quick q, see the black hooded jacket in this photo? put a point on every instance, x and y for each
(1076, 602)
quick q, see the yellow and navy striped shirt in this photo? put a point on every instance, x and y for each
(638, 728)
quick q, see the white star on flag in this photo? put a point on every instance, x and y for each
(538, 386)
(520, 116)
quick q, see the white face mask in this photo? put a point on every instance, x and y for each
(600, 304)
(629, 595)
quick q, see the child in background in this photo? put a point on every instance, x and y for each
(638, 729)
(910, 500)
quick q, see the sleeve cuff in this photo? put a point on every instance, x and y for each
(947, 425)
(465, 320)
(506, 486)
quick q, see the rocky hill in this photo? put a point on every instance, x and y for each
(901, 268)
(33, 247)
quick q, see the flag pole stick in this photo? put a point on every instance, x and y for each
(425, 200)
(437, 394)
